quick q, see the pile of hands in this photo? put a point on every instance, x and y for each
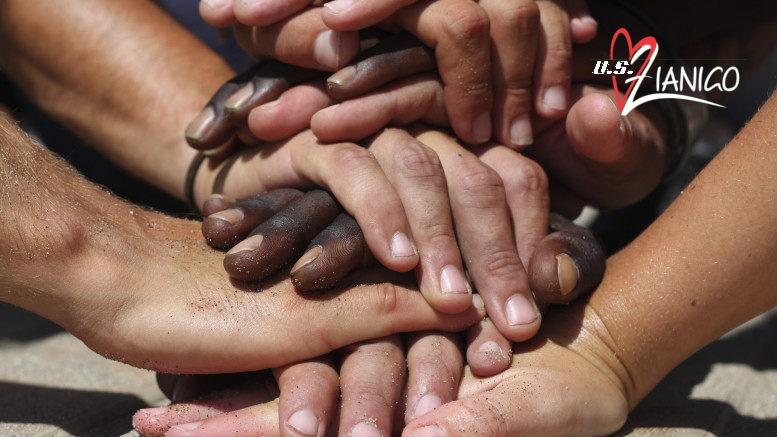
(487, 131)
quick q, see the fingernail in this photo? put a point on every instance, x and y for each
(587, 19)
(477, 301)
(215, 4)
(183, 429)
(154, 412)
(327, 109)
(231, 216)
(326, 49)
(343, 76)
(567, 273)
(555, 98)
(251, 243)
(216, 196)
(201, 123)
(241, 96)
(521, 132)
(520, 310)
(365, 429)
(481, 128)
(452, 280)
(401, 247)
(426, 404)
(307, 258)
(304, 422)
(428, 431)
(338, 6)
(491, 349)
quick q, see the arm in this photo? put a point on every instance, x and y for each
(143, 288)
(121, 74)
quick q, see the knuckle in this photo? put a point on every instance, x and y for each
(524, 15)
(466, 23)
(350, 157)
(560, 50)
(480, 186)
(501, 262)
(525, 176)
(417, 160)
(439, 235)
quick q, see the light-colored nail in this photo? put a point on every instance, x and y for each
(428, 431)
(520, 310)
(231, 215)
(201, 123)
(491, 349)
(452, 280)
(215, 4)
(338, 6)
(477, 302)
(567, 273)
(304, 422)
(555, 98)
(326, 49)
(251, 243)
(343, 76)
(327, 109)
(241, 96)
(365, 429)
(429, 402)
(481, 128)
(401, 247)
(183, 429)
(521, 132)
(307, 258)
(154, 412)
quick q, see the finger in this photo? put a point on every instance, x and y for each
(225, 228)
(526, 190)
(253, 389)
(265, 85)
(485, 237)
(488, 351)
(266, 12)
(554, 61)
(372, 376)
(218, 13)
(458, 31)
(302, 39)
(566, 264)
(345, 15)
(333, 253)
(215, 203)
(420, 98)
(261, 419)
(435, 365)
(415, 171)
(290, 113)
(231, 104)
(309, 396)
(609, 160)
(399, 55)
(582, 26)
(356, 179)
(514, 36)
(281, 237)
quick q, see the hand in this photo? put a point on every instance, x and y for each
(456, 30)
(371, 380)
(565, 381)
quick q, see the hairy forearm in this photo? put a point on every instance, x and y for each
(121, 74)
(704, 267)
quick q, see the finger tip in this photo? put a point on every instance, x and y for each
(597, 129)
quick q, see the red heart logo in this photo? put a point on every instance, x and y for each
(647, 41)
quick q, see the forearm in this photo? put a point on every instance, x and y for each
(121, 74)
(704, 267)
